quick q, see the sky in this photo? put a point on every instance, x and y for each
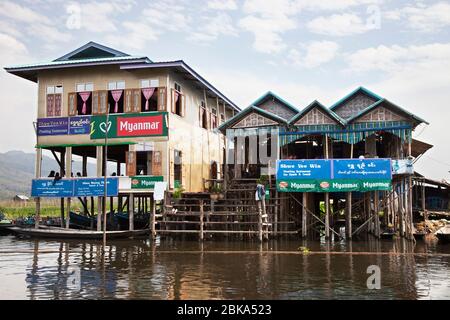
(300, 49)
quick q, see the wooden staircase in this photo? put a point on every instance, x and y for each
(235, 216)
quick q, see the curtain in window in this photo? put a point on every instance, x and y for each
(148, 92)
(84, 96)
(116, 94)
(176, 95)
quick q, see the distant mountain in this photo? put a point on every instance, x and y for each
(17, 170)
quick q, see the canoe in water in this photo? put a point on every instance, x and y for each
(443, 234)
(61, 233)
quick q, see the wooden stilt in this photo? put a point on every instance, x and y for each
(68, 174)
(327, 197)
(38, 172)
(424, 207)
(201, 234)
(348, 212)
(131, 212)
(153, 217)
(61, 174)
(304, 213)
(99, 157)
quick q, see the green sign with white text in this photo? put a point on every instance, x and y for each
(145, 182)
(336, 185)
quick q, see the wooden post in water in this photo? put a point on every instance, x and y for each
(68, 176)
(153, 216)
(62, 169)
(38, 171)
(327, 198)
(131, 212)
(348, 212)
(304, 213)
(99, 156)
(424, 207)
(201, 234)
(376, 202)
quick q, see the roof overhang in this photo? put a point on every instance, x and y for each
(186, 71)
(30, 72)
(317, 104)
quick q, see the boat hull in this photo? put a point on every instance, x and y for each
(60, 233)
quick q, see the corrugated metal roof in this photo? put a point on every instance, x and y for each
(35, 66)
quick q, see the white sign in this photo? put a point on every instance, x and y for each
(403, 166)
(145, 146)
(158, 192)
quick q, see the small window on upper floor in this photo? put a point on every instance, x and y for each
(203, 115)
(222, 118)
(178, 101)
(115, 95)
(149, 95)
(84, 98)
(54, 101)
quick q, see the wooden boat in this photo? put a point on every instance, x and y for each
(443, 234)
(4, 225)
(141, 221)
(419, 234)
(78, 221)
(61, 233)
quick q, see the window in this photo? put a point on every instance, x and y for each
(177, 167)
(222, 118)
(213, 118)
(203, 115)
(150, 83)
(178, 101)
(149, 95)
(84, 98)
(53, 101)
(115, 95)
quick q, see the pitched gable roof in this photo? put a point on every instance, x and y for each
(317, 104)
(92, 50)
(352, 94)
(241, 115)
(391, 106)
(269, 95)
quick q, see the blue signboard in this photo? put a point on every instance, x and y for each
(362, 169)
(95, 187)
(52, 126)
(51, 188)
(304, 169)
(80, 125)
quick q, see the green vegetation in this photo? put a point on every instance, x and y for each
(13, 210)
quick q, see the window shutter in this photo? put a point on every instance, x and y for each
(162, 99)
(208, 119)
(50, 105)
(103, 101)
(183, 104)
(136, 93)
(156, 163)
(173, 108)
(128, 104)
(131, 163)
(95, 100)
(73, 103)
(58, 99)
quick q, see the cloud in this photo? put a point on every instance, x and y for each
(222, 4)
(214, 26)
(432, 18)
(21, 13)
(167, 15)
(338, 25)
(315, 54)
(395, 58)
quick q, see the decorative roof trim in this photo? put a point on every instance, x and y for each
(270, 93)
(313, 105)
(247, 111)
(353, 93)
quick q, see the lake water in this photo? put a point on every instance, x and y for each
(180, 269)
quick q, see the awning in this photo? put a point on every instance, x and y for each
(352, 133)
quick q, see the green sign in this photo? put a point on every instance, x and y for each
(336, 185)
(147, 124)
(145, 182)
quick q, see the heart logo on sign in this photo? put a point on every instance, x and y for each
(105, 128)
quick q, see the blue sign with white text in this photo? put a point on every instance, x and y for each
(51, 188)
(80, 125)
(362, 169)
(304, 169)
(95, 187)
(52, 126)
